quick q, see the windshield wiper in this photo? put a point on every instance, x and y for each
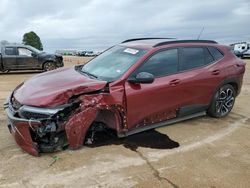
(89, 74)
(79, 69)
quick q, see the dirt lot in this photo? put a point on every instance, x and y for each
(203, 152)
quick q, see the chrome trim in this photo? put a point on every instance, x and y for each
(49, 111)
(13, 118)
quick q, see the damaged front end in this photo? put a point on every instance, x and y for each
(41, 130)
(45, 117)
(37, 130)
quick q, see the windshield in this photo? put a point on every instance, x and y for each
(34, 49)
(113, 63)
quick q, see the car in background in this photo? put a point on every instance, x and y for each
(134, 86)
(87, 53)
(241, 49)
(24, 57)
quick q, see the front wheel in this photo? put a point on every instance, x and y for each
(48, 66)
(222, 102)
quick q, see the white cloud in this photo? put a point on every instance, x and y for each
(98, 24)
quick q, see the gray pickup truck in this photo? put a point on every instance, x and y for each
(24, 57)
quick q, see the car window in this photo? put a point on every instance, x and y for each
(191, 57)
(161, 64)
(215, 53)
(24, 52)
(113, 63)
(208, 57)
(10, 51)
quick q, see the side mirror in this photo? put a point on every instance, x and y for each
(33, 54)
(142, 78)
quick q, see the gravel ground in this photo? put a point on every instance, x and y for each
(202, 152)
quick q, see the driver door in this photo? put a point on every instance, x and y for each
(158, 101)
(25, 60)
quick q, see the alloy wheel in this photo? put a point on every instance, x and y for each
(49, 66)
(224, 101)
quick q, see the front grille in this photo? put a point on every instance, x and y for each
(32, 115)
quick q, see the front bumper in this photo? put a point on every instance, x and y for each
(60, 64)
(64, 127)
(20, 129)
(31, 134)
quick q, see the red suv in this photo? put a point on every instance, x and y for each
(137, 85)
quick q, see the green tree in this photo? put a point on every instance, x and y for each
(32, 39)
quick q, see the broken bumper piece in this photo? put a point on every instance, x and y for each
(20, 129)
(34, 135)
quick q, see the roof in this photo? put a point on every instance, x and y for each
(14, 45)
(147, 43)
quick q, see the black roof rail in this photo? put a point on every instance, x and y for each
(184, 41)
(135, 39)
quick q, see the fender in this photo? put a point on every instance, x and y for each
(235, 82)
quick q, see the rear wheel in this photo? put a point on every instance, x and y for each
(222, 102)
(48, 66)
(5, 71)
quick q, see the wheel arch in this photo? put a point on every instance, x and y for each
(232, 81)
(46, 61)
(105, 119)
(112, 118)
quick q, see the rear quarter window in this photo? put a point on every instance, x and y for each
(215, 53)
(208, 57)
(10, 51)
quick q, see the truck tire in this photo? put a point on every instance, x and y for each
(5, 71)
(49, 65)
(222, 102)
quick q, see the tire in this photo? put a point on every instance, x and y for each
(222, 102)
(48, 66)
(6, 71)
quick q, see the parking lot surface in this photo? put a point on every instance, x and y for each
(202, 152)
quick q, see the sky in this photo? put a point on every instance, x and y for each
(99, 24)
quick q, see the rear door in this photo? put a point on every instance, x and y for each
(25, 59)
(9, 58)
(200, 76)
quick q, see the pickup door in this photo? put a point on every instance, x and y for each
(9, 58)
(25, 60)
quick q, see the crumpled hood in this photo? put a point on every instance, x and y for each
(54, 88)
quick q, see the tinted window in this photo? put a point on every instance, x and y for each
(161, 64)
(10, 51)
(24, 52)
(191, 58)
(208, 57)
(215, 53)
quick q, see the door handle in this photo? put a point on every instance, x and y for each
(216, 72)
(174, 82)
